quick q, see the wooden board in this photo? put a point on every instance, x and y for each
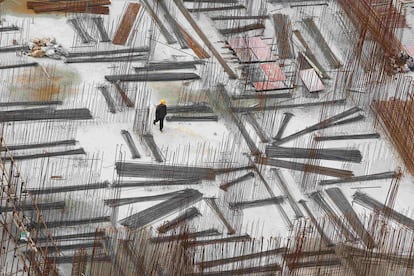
(125, 26)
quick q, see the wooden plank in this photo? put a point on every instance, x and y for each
(40, 7)
(193, 44)
(193, 23)
(124, 96)
(125, 26)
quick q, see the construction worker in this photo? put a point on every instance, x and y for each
(160, 113)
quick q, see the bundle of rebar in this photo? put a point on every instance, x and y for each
(186, 236)
(304, 153)
(236, 120)
(131, 144)
(257, 95)
(172, 172)
(320, 200)
(153, 77)
(70, 247)
(70, 142)
(213, 118)
(322, 124)
(238, 17)
(367, 201)
(264, 138)
(285, 106)
(214, 206)
(116, 202)
(340, 200)
(232, 182)
(80, 30)
(196, 108)
(368, 177)
(65, 223)
(347, 137)
(162, 182)
(222, 8)
(179, 201)
(70, 237)
(271, 268)
(285, 189)
(242, 29)
(173, 24)
(45, 114)
(168, 36)
(101, 29)
(9, 28)
(149, 140)
(108, 99)
(262, 254)
(19, 65)
(309, 57)
(125, 58)
(168, 65)
(241, 238)
(204, 38)
(257, 203)
(69, 188)
(316, 34)
(107, 52)
(44, 154)
(31, 207)
(296, 166)
(30, 103)
(188, 214)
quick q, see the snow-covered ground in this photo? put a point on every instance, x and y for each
(183, 142)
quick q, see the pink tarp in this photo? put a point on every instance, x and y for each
(251, 49)
(273, 72)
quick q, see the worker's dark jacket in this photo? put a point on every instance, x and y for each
(161, 111)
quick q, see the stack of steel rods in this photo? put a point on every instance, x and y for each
(178, 201)
(187, 215)
(366, 200)
(304, 153)
(340, 200)
(116, 202)
(45, 114)
(256, 203)
(162, 171)
(369, 177)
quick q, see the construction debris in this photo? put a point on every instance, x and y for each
(45, 47)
